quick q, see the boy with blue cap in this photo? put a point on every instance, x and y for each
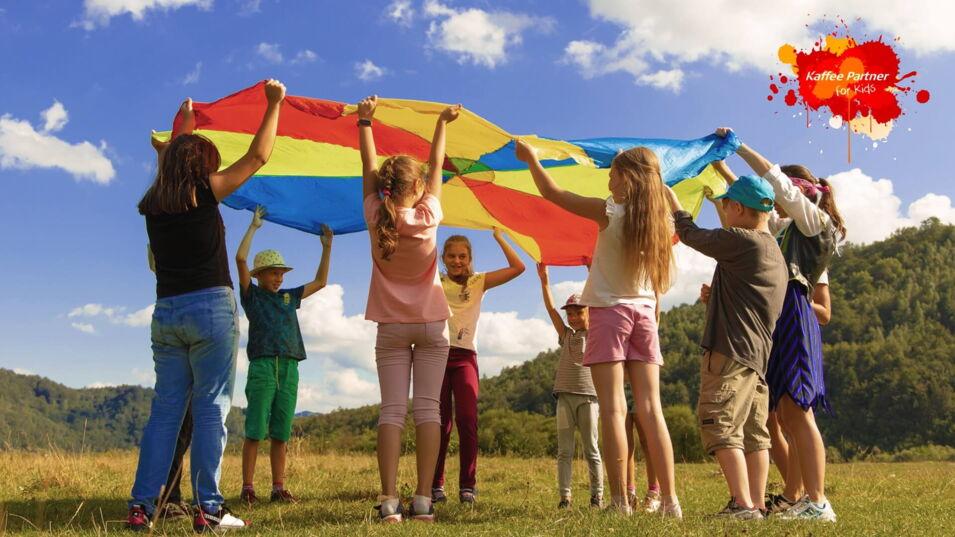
(746, 298)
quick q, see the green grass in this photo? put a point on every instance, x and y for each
(62, 493)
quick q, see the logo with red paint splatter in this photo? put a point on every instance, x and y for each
(858, 83)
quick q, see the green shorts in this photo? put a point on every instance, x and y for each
(271, 391)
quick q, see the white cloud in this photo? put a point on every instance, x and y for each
(99, 384)
(193, 76)
(368, 71)
(145, 377)
(270, 52)
(872, 211)
(477, 36)
(54, 118)
(23, 147)
(305, 56)
(250, 7)
(660, 37)
(348, 340)
(21, 371)
(562, 290)
(401, 12)
(99, 12)
(692, 270)
(505, 340)
(113, 314)
(86, 328)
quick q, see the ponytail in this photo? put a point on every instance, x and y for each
(398, 177)
(828, 204)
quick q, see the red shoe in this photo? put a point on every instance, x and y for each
(138, 519)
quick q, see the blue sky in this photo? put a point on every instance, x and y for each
(70, 240)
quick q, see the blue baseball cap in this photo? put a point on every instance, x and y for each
(753, 192)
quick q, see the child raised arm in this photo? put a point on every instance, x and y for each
(590, 208)
(321, 276)
(438, 142)
(242, 255)
(514, 268)
(555, 317)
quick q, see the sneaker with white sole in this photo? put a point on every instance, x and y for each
(438, 495)
(390, 511)
(421, 512)
(137, 519)
(806, 509)
(223, 519)
(671, 510)
(468, 496)
(736, 511)
(651, 502)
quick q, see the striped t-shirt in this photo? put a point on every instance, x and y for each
(572, 375)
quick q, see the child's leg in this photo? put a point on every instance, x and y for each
(280, 421)
(393, 360)
(446, 425)
(653, 483)
(645, 379)
(733, 463)
(565, 443)
(608, 380)
(260, 393)
(277, 456)
(430, 358)
(631, 452)
(587, 416)
(757, 471)
(250, 452)
(808, 441)
(464, 383)
(780, 449)
(794, 487)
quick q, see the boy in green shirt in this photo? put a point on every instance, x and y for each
(275, 347)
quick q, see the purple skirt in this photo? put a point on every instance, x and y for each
(795, 362)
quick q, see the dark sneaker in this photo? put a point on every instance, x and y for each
(423, 516)
(174, 511)
(777, 503)
(564, 503)
(248, 496)
(220, 520)
(735, 511)
(438, 496)
(597, 501)
(137, 519)
(467, 496)
(390, 515)
(283, 496)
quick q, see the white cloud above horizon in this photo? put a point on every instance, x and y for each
(658, 41)
(98, 13)
(23, 147)
(479, 37)
(367, 71)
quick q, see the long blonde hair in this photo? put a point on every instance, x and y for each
(398, 177)
(647, 231)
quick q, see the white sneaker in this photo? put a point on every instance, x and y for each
(223, 519)
(672, 510)
(651, 502)
(805, 509)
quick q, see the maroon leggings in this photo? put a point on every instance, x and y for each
(461, 380)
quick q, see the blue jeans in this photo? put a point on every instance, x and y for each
(195, 337)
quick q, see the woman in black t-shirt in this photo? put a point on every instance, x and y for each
(194, 327)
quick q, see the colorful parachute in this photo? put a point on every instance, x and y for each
(314, 174)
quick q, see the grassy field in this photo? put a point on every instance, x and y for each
(71, 494)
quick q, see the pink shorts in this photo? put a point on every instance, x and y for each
(621, 333)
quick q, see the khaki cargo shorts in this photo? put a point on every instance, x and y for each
(733, 406)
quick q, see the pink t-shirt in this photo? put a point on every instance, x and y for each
(406, 288)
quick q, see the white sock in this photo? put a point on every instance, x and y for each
(422, 504)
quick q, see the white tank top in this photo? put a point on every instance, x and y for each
(609, 283)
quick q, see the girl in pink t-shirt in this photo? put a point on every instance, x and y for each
(402, 209)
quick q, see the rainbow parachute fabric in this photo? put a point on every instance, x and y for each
(314, 174)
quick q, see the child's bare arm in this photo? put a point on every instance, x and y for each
(821, 303)
(230, 179)
(321, 276)
(552, 312)
(723, 169)
(514, 268)
(366, 143)
(242, 255)
(591, 208)
(438, 144)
